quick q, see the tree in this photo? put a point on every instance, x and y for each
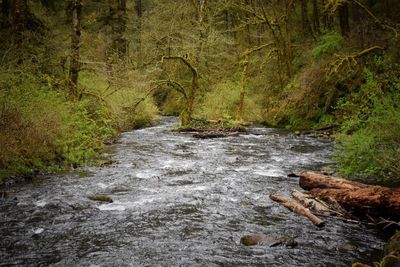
(343, 12)
(304, 17)
(75, 64)
(189, 93)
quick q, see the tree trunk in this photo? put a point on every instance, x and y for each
(310, 180)
(5, 14)
(240, 112)
(326, 18)
(316, 16)
(75, 47)
(229, 24)
(119, 29)
(18, 23)
(344, 19)
(304, 17)
(361, 198)
(297, 208)
(372, 200)
(139, 14)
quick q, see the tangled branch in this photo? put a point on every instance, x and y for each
(347, 63)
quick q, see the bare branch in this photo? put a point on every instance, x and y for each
(348, 61)
(184, 60)
(175, 85)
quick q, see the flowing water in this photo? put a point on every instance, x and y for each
(178, 201)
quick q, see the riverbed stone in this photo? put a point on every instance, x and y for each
(270, 240)
(102, 198)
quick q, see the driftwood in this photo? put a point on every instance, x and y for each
(323, 129)
(311, 203)
(214, 134)
(297, 208)
(101, 198)
(357, 197)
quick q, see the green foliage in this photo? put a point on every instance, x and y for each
(40, 130)
(328, 44)
(87, 126)
(223, 101)
(144, 115)
(368, 146)
(31, 122)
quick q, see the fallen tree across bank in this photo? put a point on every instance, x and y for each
(353, 196)
(342, 199)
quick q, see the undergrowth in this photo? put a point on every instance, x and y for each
(40, 130)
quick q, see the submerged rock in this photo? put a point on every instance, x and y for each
(103, 198)
(270, 240)
(3, 194)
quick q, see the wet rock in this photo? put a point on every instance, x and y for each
(3, 194)
(328, 170)
(270, 240)
(102, 198)
(246, 202)
(346, 247)
(119, 189)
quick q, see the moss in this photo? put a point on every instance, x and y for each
(394, 244)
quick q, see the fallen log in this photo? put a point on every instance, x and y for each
(209, 135)
(297, 208)
(374, 200)
(309, 202)
(311, 180)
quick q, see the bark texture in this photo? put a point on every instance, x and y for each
(297, 208)
(354, 196)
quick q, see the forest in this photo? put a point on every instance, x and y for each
(75, 74)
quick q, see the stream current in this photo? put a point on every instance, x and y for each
(178, 201)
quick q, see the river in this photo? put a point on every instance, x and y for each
(178, 201)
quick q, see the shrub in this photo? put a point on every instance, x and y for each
(40, 130)
(133, 109)
(328, 44)
(368, 147)
(223, 101)
(87, 125)
(31, 122)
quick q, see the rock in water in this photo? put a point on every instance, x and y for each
(103, 198)
(270, 240)
(3, 194)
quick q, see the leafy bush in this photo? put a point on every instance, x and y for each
(223, 102)
(84, 132)
(133, 109)
(329, 43)
(40, 130)
(31, 121)
(369, 144)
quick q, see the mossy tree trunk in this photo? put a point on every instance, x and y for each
(343, 11)
(245, 64)
(75, 65)
(120, 43)
(304, 17)
(239, 116)
(139, 14)
(188, 93)
(316, 17)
